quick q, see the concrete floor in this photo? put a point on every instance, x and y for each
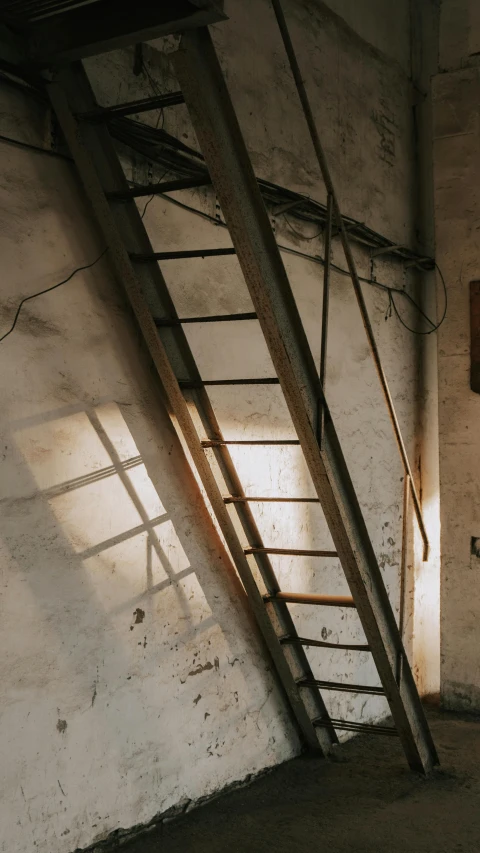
(365, 801)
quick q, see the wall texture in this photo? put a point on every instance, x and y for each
(457, 176)
(132, 677)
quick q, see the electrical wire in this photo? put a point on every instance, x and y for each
(161, 147)
(161, 115)
(317, 259)
(17, 142)
(47, 290)
(401, 292)
(158, 146)
(371, 239)
(153, 195)
(298, 233)
(146, 205)
(434, 326)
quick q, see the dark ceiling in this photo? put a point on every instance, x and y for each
(65, 30)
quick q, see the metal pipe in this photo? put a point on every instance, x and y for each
(321, 644)
(326, 290)
(293, 552)
(404, 560)
(324, 333)
(322, 162)
(308, 598)
(258, 442)
(232, 500)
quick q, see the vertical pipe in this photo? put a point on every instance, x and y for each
(325, 301)
(404, 559)
(403, 572)
(326, 291)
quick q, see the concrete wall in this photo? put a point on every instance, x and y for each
(132, 677)
(457, 176)
(426, 635)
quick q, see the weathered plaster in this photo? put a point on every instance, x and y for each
(131, 672)
(457, 175)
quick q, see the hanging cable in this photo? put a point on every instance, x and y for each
(317, 259)
(312, 212)
(37, 148)
(47, 290)
(434, 326)
(298, 234)
(161, 115)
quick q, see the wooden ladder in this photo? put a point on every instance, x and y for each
(85, 126)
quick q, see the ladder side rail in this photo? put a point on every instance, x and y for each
(74, 82)
(176, 344)
(223, 147)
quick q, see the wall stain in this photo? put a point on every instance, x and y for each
(32, 324)
(61, 726)
(387, 560)
(386, 126)
(139, 615)
(202, 667)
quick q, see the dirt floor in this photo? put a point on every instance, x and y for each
(365, 801)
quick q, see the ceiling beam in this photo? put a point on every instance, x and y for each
(109, 25)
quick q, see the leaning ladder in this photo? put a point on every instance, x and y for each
(85, 127)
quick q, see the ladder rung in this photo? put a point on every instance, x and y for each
(158, 189)
(143, 105)
(341, 687)
(199, 383)
(237, 500)
(214, 442)
(291, 552)
(308, 598)
(351, 726)
(303, 641)
(175, 256)
(212, 318)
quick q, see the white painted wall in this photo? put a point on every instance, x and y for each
(131, 676)
(132, 679)
(457, 175)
